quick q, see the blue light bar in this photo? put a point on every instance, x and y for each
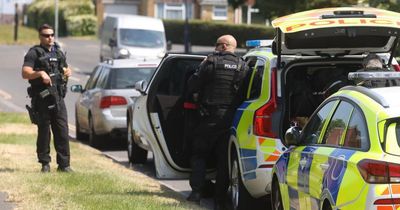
(374, 75)
(259, 43)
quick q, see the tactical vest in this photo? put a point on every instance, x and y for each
(225, 80)
(52, 63)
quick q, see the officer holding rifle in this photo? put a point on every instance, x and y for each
(46, 70)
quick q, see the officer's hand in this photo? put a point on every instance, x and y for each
(67, 72)
(46, 78)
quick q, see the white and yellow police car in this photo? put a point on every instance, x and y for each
(309, 59)
(348, 154)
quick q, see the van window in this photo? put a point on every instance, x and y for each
(142, 38)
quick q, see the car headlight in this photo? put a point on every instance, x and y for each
(123, 53)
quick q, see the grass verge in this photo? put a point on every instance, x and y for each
(26, 35)
(97, 183)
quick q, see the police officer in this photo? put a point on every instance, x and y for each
(45, 68)
(217, 89)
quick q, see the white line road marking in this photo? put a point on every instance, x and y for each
(5, 95)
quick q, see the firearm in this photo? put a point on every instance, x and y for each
(51, 93)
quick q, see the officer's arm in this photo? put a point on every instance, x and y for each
(67, 71)
(29, 74)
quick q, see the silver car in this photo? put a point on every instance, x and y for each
(100, 110)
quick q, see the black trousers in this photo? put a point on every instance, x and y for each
(211, 143)
(57, 121)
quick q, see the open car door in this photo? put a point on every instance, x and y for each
(337, 31)
(166, 93)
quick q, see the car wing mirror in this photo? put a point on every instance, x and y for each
(292, 136)
(76, 88)
(112, 42)
(141, 86)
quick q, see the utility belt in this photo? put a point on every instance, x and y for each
(207, 110)
(49, 97)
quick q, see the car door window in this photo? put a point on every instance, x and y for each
(357, 132)
(256, 79)
(337, 125)
(93, 78)
(102, 81)
(312, 131)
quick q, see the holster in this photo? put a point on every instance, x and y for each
(33, 115)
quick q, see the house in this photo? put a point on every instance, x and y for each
(7, 9)
(208, 10)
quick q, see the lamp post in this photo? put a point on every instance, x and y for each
(56, 19)
(186, 38)
(16, 20)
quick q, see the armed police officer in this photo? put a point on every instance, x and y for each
(217, 88)
(46, 70)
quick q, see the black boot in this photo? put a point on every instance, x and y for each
(45, 168)
(194, 197)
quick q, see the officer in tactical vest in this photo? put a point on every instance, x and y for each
(46, 70)
(217, 89)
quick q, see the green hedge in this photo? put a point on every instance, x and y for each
(206, 33)
(80, 25)
(71, 13)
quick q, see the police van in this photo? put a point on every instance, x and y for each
(290, 76)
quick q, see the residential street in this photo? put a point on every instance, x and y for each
(82, 56)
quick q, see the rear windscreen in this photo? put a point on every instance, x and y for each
(127, 77)
(142, 38)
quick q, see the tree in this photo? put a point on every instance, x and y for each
(236, 3)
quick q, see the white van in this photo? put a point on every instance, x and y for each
(132, 36)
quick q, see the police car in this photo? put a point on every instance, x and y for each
(289, 77)
(348, 154)
(309, 59)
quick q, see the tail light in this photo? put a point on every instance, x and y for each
(396, 67)
(381, 172)
(387, 201)
(108, 101)
(263, 116)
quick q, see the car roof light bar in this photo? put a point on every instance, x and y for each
(259, 43)
(374, 75)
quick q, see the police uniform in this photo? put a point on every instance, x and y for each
(49, 110)
(217, 89)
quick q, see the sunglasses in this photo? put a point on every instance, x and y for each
(47, 35)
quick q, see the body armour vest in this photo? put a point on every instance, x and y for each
(226, 77)
(51, 62)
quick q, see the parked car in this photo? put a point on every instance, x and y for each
(347, 156)
(132, 36)
(310, 57)
(101, 107)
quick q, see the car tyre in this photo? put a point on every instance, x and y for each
(239, 197)
(94, 139)
(276, 197)
(78, 134)
(136, 154)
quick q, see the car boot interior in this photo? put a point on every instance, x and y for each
(308, 84)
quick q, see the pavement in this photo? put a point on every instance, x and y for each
(4, 205)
